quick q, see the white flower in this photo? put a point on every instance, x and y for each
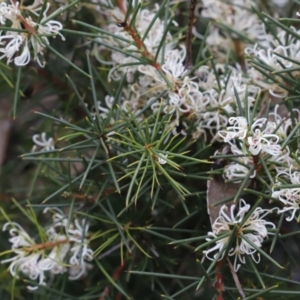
(238, 171)
(19, 237)
(36, 35)
(68, 241)
(42, 142)
(280, 124)
(290, 197)
(238, 130)
(26, 261)
(173, 65)
(81, 253)
(254, 228)
(13, 42)
(25, 56)
(262, 141)
(55, 260)
(78, 261)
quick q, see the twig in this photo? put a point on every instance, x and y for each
(139, 43)
(219, 280)
(191, 20)
(236, 279)
(115, 276)
(240, 53)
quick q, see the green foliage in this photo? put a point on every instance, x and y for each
(132, 163)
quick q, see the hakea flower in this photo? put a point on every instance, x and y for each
(206, 78)
(54, 262)
(173, 68)
(218, 111)
(238, 129)
(282, 125)
(254, 228)
(184, 97)
(14, 45)
(258, 140)
(65, 250)
(237, 170)
(289, 197)
(266, 84)
(109, 101)
(102, 111)
(278, 53)
(25, 261)
(42, 143)
(262, 141)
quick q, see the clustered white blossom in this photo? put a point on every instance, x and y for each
(25, 33)
(65, 249)
(262, 137)
(211, 97)
(245, 228)
(198, 97)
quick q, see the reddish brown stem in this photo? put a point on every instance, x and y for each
(115, 276)
(240, 53)
(139, 43)
(46, 245)
(219, 280)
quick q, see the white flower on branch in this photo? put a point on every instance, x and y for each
(290, 199)
(15, 45)
(253, 228)
(238, 129)
(65, 249)
(261, 140)
(25, 261)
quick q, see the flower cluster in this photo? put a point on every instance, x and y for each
(262, 137)
(25, 33)
(199, 98)
(278, 54)
(64, 250)
(248, 229)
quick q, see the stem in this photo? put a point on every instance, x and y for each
(46, 245)
(189, 35)
(139, 43)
